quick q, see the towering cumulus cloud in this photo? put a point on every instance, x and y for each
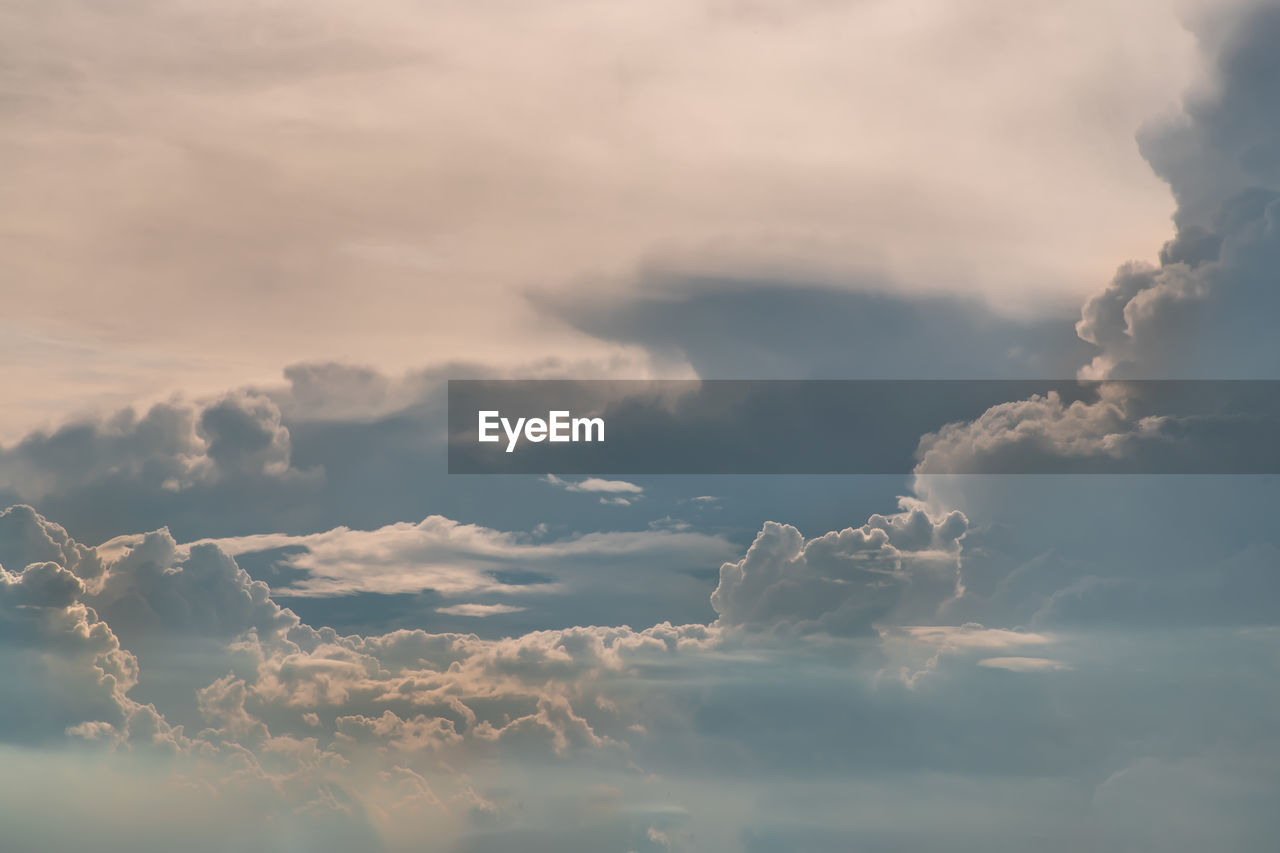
(65, 672)
(1209, 309)
(845, 581)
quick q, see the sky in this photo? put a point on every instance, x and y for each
(243, 605)
(204, 193)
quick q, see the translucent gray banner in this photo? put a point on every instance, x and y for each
(616, 427)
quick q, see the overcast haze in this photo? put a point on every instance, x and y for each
(201, 193)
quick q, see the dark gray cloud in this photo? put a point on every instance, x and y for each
(1226, 138)
(1209, 308)
(226, 458)
(762, 329)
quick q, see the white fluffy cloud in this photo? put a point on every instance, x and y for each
(843, 581)
(615, 492)
(596, 484)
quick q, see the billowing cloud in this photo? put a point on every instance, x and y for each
(26, 538)
(842, 582)
(171, 447)
(1117, 427)
(383, 737)
(64, 669)
(158, 586)
(1207, 309)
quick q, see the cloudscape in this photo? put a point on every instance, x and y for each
(251, 250)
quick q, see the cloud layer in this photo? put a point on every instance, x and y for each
(591, 735)
(183, 195)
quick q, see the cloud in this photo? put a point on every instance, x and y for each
(650, 150)
(1205, 309)
(173, 447)
(457, 692)
(1028, 435)
(478, 610)
(1116, 427)
(64, 669)
(1196, 315)
(453, 558)
(793, 328)
(914, 653)
(161, 587)
(596, 484)
(973, 636)
(618, 492)
(501, 739)
(1020, 664)
(26, 538)
(662, 735)
(842, 582)
(297, 735)
(298, 455)
(245, 436)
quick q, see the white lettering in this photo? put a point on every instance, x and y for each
(560, 426)
(488, 421)
(513, 435)
(587, 424)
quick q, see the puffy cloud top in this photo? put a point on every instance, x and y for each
(1209, 308)
(841, 582)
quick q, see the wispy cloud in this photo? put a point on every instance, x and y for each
(973, 636)
(456, 559)
(596, 484)
(1017, 664)
(479, 610)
